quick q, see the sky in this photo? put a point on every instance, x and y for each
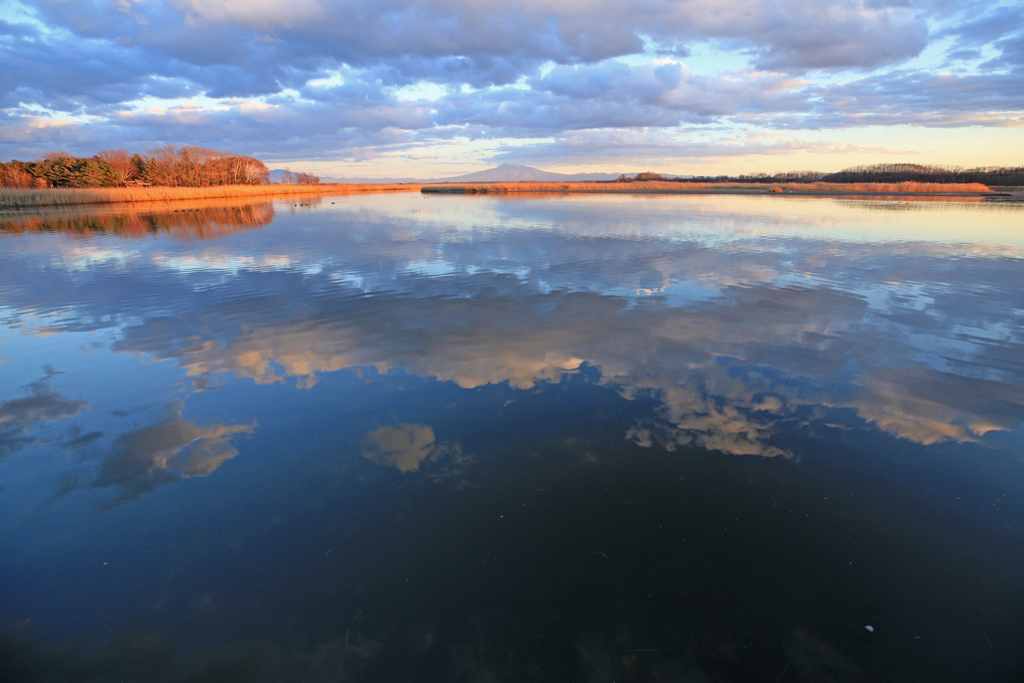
(432, 88)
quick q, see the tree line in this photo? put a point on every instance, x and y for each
(887, 173)
(166, 165)
(289, 178)
(646, 175)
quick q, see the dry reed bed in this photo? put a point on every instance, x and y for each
(17, 198)
(12, 198)
(666, 186)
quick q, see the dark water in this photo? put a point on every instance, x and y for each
(398, 438)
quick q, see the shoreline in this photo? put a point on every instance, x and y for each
(736, 191)
(12, 199)
(1015, 194)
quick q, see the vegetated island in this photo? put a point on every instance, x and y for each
(877, 180)
(175, 173)
(161, 174)
(690, 187)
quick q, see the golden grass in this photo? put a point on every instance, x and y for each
(17, 198)
(669, 187)
(12, 198)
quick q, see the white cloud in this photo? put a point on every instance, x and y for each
(403, 447)
(311, 78)
(258, 14)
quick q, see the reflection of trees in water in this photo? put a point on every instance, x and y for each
(908, 203)
(186, 220)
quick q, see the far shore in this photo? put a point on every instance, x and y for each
(433, 189)
(896, 190)
(11, 198)
(47, 198)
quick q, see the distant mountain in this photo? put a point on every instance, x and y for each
(499, 174)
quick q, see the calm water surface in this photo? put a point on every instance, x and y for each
(598, 438)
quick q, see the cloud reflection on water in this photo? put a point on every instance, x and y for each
(717, 370)
(21, 417)
(403, 447)
(731, 325)
(167, 451)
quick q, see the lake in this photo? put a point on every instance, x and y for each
(557, 438)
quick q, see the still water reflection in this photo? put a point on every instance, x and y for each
(591, 438)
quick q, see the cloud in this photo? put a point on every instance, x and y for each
(710, 331)
(998, 23)
(670, 85)
(666, 353)
(256, 14)
(42, 406)
(932, 407)
(616, 147)
(403, 447)
(80, 440)
(12, 441)
(529, 70)
(22, 418)
(413, 448)
(1011, 55)
(941, 100)
(842, 35)
(36, 69)
(792, 33)
(167, 451)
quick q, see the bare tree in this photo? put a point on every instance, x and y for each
(12, 175)
(163, 160)
(254, 171)
(121, 161)
(56, 156)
